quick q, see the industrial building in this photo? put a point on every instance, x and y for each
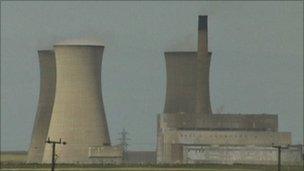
(71, 107)
(188, 131)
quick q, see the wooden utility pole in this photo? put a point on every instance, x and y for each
(48, 141)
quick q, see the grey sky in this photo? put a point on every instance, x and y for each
(257, 63)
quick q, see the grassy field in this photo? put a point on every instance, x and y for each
(36, 167)
(14, 161)
(13, 157)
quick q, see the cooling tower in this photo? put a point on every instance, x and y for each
(203, 106)
(181, 68)
(78, 116)
(181, 82)
(45, 105)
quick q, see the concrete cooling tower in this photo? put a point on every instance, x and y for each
(181, 92)
(45, 105)
(78, 116)
(181, 82)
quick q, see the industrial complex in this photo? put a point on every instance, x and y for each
(188, 131)
(71, 109)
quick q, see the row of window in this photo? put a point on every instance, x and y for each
(264, 153)
(216, 136)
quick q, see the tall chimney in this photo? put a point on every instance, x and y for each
(203, 106)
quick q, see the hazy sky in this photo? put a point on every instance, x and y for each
(256, 67)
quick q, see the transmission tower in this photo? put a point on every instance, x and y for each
(124, 143)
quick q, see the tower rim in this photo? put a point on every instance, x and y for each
(83, 45)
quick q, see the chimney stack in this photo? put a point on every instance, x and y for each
(203, 107)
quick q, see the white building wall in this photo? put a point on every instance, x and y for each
(241, 155)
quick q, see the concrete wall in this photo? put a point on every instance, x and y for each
(105, 160)
(168, 150)
(241, 155)
(140, 157)
(105, 154)
(253, 122)
(78, 114)
(105, 151)
(263, 138)
(45, 105)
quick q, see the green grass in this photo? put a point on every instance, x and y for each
(96, 167)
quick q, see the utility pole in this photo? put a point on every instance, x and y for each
(48, 141)
(279, 147)
(123, 142)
